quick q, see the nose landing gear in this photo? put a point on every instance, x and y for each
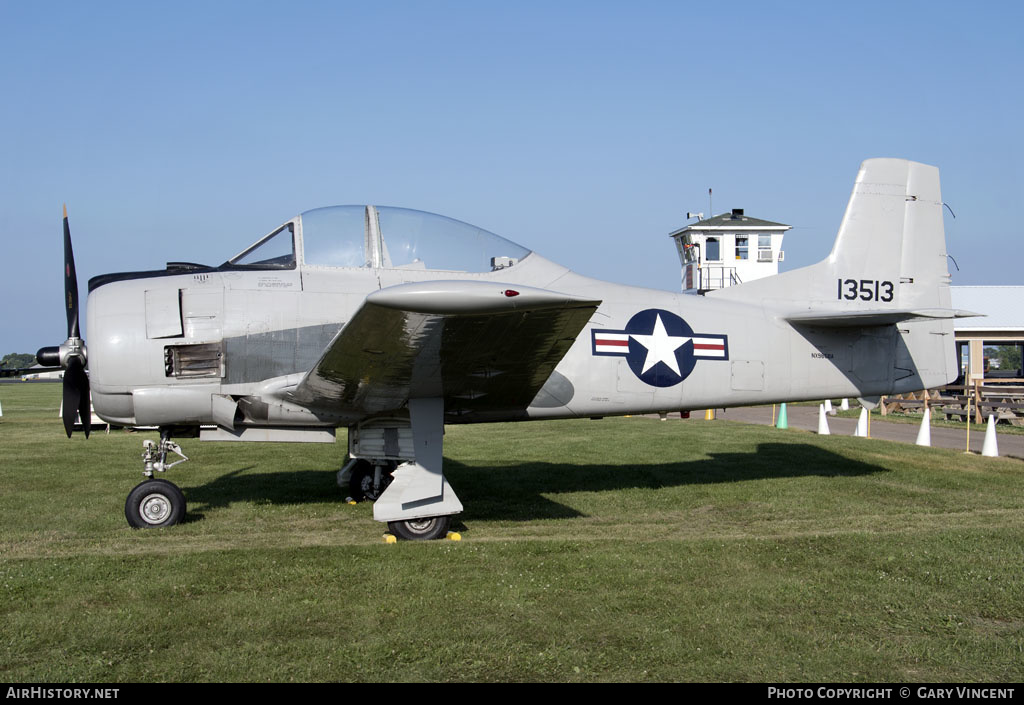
(155, 503)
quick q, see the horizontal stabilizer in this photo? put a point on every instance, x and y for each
(850, 319)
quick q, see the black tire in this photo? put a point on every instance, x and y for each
(360, 485)
(425, 529)
(154, 503)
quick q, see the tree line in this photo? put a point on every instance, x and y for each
(14, 361)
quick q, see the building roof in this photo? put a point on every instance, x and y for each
(1000, 304)
(731, 221)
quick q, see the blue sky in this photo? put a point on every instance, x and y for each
(583, 130)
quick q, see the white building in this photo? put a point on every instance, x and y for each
(978, 338)
(30, 375)
(728, 249)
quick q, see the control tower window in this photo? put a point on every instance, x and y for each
(713, 250)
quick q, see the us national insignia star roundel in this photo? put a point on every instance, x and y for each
(660, 347)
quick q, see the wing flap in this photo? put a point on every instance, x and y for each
(482, 347)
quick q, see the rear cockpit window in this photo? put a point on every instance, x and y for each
(418, 240)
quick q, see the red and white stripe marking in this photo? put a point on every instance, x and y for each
(611, 343)
(708, 347)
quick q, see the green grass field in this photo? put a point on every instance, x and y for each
(612, 550)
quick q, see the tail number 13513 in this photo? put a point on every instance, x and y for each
(865, 290)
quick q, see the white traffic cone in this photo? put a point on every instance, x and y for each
(991, 447)
(862, 424)
(844, 405)
(823, 422)
(828, 408)
(924, 436)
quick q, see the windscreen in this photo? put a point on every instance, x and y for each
(275, 251)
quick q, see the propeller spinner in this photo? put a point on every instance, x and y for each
(71, 355)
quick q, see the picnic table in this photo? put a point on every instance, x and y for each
(1005, 401)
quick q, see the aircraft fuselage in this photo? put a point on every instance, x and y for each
(163, 348)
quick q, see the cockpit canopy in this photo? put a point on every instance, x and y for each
(382, 237)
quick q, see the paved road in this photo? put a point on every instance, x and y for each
(806, 417)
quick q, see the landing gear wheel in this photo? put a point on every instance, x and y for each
(424, 529)
(154, 503)
(361, 485)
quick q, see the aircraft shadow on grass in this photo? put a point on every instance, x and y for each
(518, 492)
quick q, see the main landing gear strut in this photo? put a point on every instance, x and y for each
(155, 502)
(414, 498)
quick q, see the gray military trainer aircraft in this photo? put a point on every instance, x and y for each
(393, 322)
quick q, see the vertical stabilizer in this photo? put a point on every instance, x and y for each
(890, 252)
(887, 267)
(893, 232)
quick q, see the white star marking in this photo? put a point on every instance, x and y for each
(661, 347)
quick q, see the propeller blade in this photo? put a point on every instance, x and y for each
(85, 404)
(72, 393)
(70, 281)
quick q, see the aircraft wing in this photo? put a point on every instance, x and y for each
(480, 346)
(855, 318)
